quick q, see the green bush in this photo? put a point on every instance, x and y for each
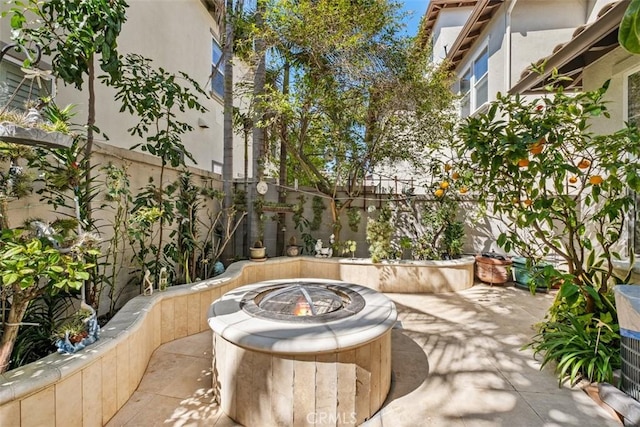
(581, 346)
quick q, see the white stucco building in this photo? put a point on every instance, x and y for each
(178, 35)
(491, 45)
(488, 43)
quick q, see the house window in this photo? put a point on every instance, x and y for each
(633, 117)
(217, 69)
(474, 87)
(465, 92)
(16, 90)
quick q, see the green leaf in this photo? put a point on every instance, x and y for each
(12, 252)
(9, 279)
(629, 31)
(568, 289)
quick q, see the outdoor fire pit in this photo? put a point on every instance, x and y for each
(302, 352)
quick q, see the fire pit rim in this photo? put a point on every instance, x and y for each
(354, 305)
(229, 321)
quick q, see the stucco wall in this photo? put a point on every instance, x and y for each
(446, 30)
(140, 167)
(537, 27)
(615, 67)
(183, 44)
(176, 35)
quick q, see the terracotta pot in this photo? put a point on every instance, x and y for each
(493, 270)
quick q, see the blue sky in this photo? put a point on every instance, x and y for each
(417, 8)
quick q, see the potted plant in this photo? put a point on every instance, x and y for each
(349, 247)
(493, 268)
(74, 328)
(258, 252)
(529, 274)
(293, 249)
(78, 331)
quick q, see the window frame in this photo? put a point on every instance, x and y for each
(469, 99)
(219, 72)
(12, 65)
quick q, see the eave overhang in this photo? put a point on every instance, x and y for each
(475, 25)
(588, 44)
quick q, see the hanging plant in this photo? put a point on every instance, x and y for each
(354, 217)
(318, 206)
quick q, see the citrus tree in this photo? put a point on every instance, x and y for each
(562, 189)
(558, 187)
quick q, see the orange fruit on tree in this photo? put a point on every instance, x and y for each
(528, 202)
(439, 192)
(584, 163)
(537, 147)
(455, 175)
(447, 167)
(595, 180)
(515, 200)
(573, 179)
(523, 163)
(463, 190)
(444, 185)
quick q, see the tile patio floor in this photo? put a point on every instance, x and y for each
(456, 362)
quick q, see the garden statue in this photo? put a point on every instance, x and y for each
(322, 252)
(147, 283)
(164, 279)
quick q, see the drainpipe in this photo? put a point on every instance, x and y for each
(508, 62)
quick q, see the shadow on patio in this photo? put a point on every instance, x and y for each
(456, 362)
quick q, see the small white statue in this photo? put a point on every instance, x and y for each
(148, 284)
(322, 252)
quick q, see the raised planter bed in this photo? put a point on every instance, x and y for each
(410, 276)
(102, 377)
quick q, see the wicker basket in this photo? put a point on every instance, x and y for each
(493, 270)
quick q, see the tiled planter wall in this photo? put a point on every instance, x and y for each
(89, 387)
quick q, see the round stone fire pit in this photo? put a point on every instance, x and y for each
(302, 352)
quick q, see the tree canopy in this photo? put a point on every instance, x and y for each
(347, 92)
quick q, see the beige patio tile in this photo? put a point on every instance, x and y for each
(456, 362)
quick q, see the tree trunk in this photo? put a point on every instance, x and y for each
(90, 284)
(8, 340)
(156, 274)
(227, 164)
(282, 194)
(4, 213)
(258, 131)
